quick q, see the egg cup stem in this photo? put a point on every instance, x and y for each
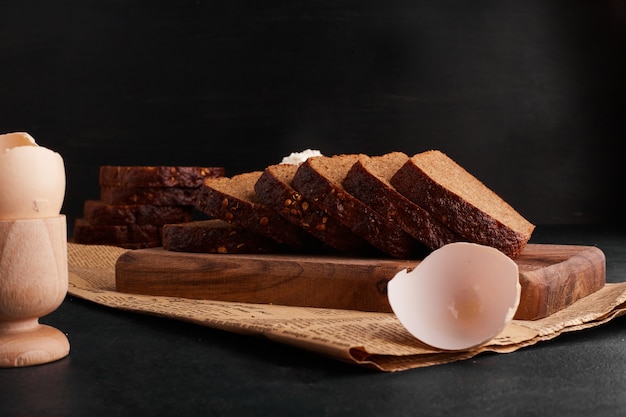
(33, 283)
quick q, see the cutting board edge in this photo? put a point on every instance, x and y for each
(377, 296)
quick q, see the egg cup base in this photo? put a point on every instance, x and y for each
(35, 346)
(34, 282)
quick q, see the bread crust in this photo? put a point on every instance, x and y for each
(156, 176)
(98, 212)
(131, 236)
(233, 199)
(319, 180)
(157, 196)
(274, 189)
(472, 221)
(215, 236)
(368, 180)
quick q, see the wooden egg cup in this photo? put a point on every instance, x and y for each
(33, 283)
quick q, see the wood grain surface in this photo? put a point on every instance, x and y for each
(552, 277)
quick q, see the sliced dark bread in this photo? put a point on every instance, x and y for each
(274, 189)
(234, 200)
(157, 196)
(156, 176)
(98, 212)
(215, 236)
(319, 180)
(368, 180)
(462, 202)
(131, 236)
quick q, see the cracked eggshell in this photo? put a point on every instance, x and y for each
(459, 297)
(32, 178)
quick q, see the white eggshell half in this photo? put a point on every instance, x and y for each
(32, 179)
(459, 297)
(11, 140)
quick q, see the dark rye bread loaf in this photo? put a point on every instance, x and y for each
(274, 189)
(156, 176)
(131, 236)
(136, 201)
(157, 196)
(215, 236)
(234, 200)
(153, 185)
(368, 180)
(98, 212)
(319, 180)
(462, 202)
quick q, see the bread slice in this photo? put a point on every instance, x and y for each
(156, 176)
(157, 196)
(459, 200)
(131, 236)
(98, 212)
(274, 189)
(234, 200)
(319, 180)
(368, 180)
(216, 236)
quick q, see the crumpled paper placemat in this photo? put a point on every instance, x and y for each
(374, 340)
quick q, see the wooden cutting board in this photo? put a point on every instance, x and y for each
(551, 276)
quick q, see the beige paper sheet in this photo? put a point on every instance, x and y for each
(375, 340)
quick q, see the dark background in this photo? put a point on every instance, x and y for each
(529, 96)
